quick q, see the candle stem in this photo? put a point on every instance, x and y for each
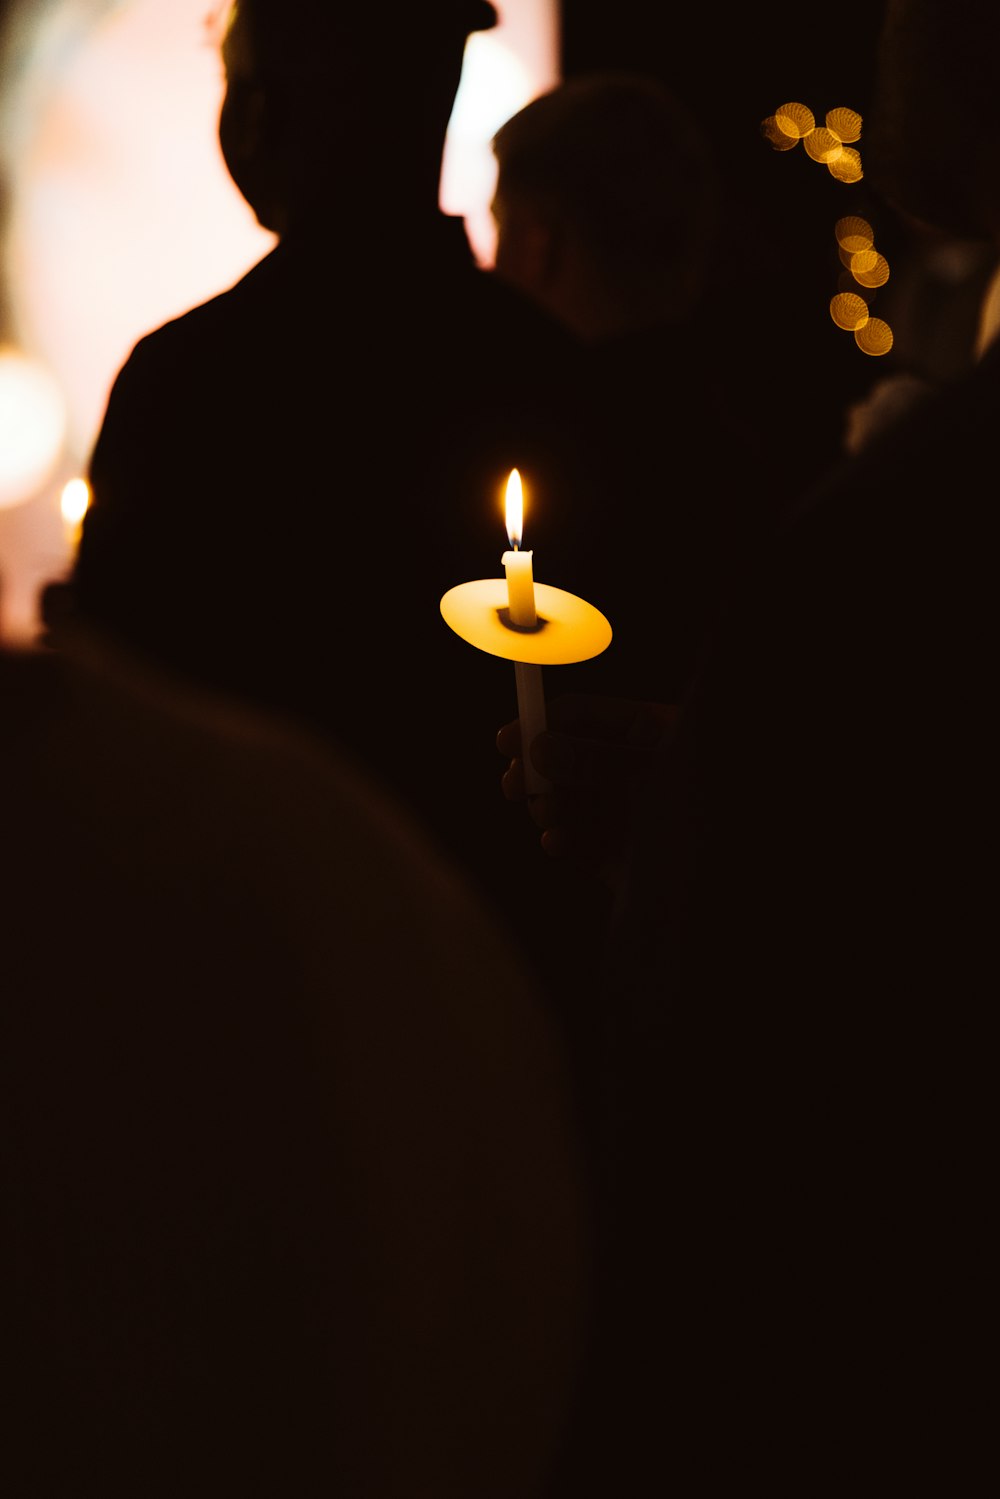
(531, 715)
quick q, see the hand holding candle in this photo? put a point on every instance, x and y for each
(529, 623)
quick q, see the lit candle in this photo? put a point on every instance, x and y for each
(524, 616)
(500, 616)
(73, 504)
(517, 564)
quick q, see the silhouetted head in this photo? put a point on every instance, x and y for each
(333, 105)
(606, 203)
(933, 137)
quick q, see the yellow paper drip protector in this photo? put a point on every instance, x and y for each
(569, 629)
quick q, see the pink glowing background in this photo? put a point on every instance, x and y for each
(120, 214)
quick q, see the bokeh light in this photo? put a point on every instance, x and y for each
(32, 426)
(822, 145)
(845, 165)
(495, 83)
(854, 233)
(845, 124)
(74, 501)
(869, 268)
(849, 311)
(772, 131)
(865, 268)
(795, 120)
(874, 337)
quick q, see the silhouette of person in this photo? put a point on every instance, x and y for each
(291, 1196)
(797, 1264)
(608, 207)
(289, 477)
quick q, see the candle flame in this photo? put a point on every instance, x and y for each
(75, 501)
(515, 509)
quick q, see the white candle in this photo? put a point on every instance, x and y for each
(517, 564)
(520, 589)
(521, 608)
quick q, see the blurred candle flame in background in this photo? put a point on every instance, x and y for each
(854, 233)
(848, 310)
(869, 268)
(845, 165)
(845, 124)
(874, 337)
(795, 120)
(829, 145)
(74, 502)
(32, 426)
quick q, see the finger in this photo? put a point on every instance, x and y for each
(557, 843)
(509, 739)
(512, 781)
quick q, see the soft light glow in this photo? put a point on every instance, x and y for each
(796, 120)
(874, 337)
(822, 145)
(869, 268)
(849, 311)
(74, 501)
(845, 165)
(32, 426)
(121, 211)
(772, 131)
(827, 144)
(854, 234)
(845, 124)
(515, 509)
(496, 82)
(989, 316)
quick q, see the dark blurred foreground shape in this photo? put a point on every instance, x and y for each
(291, 1193)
